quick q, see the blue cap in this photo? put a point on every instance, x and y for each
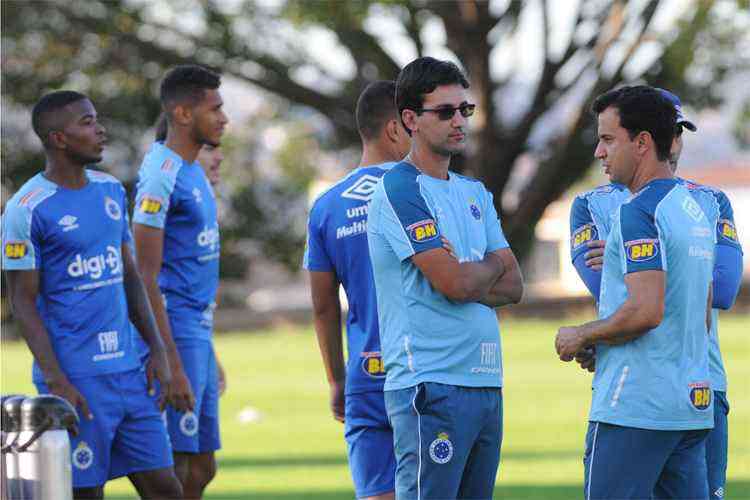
(681, 120)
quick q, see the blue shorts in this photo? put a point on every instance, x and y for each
(369, 440)
(630, 463)
(716, 447)
(126, 434)
(446, 439)
(197, 431)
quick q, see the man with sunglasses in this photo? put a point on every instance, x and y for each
(441, 265)
(590, 221)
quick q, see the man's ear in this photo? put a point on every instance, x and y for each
(391, 130)
(409, 116)
(182, 114)
(56, 139)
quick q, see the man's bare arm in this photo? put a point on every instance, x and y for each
(460, 282)
(149, 244)
(508, 288)
(324, 287)
(642, 311)
(142, 316)
(23, 288)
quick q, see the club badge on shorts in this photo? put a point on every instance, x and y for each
(189, 424)
(441, 450)
(83, 457)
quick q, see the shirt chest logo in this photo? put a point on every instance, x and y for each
(197, 195)
(362, 189)
(112, 208)
(474, 209)
(68, 223)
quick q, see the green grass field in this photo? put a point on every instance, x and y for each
(296, 450)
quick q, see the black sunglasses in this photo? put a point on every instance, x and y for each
(444, 114)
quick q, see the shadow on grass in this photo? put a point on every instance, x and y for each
(734, 489)
(340, 459)
(281, 461)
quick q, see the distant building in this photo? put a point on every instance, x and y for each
(549, 271)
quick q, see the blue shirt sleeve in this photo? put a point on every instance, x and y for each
(640, 239)
(405, 220)
(590, 277)
(152, 198)
(728, 261)
(316, 256)
(495, 236)
(20, 238)
(582, 228)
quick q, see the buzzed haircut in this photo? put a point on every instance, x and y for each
(162, 127)
(422, 76)
(187, 84)
(46, 117)
(375, 107)
(642, 109)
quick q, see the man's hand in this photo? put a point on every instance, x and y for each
(569, 341)
(338, 399)
(158, 368)
(595, 255)
(180, 394)
(586, 358)
(62, 387)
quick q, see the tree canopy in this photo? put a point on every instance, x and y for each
(534, 68)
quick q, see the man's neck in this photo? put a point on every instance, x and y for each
(65, 173)
(183, 145)
(372, 154)
(648, 173)
(428, 162)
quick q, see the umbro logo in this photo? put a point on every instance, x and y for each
(362, 189)
(68, 223)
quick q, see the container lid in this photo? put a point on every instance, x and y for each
(11, 412)
(47, 409)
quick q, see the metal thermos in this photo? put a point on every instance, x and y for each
(11, 426)
(43, 448)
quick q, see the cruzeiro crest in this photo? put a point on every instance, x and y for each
(189, 424)
(83, 457)
(112, 208)
(441, 450)
(362, 189)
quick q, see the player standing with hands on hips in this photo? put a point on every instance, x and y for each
(441, 265)
(652, 405)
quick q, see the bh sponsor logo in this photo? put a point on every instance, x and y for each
(373, 366)
(423, 231)
(642, 250)
(15, 249)
(583, 234)
(94, 267)
(727, 230)
(700, 396)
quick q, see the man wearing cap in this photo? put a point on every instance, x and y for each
(590, 224)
